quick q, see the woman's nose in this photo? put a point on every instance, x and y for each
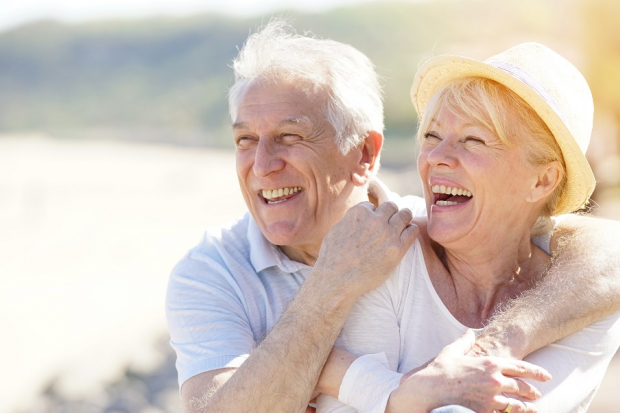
(443, 153)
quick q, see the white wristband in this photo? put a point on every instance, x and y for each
(368, 383)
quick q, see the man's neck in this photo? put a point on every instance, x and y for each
(306, 256)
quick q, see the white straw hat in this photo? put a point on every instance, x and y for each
(550, 84)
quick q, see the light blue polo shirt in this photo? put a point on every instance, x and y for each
(225, 294)
(230, 290)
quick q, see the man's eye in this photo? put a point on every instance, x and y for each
(290, 138)
(243, 141)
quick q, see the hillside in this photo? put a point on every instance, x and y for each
(166, 79)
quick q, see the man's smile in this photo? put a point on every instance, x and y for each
(275, 196)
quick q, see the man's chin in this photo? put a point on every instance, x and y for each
(282, 233)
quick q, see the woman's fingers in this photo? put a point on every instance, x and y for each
(508, 405)
(525, 370)
(519, 388)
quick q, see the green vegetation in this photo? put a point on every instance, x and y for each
(166, 79)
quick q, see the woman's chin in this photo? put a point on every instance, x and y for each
(445, 233)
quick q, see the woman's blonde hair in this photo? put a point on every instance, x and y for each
(510, 118)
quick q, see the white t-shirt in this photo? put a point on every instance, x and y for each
(231, 289)
(412, 326)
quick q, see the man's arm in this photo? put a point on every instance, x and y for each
(582, 286)
(278, 375)
(282, 372)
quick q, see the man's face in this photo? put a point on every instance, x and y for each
(295, 181)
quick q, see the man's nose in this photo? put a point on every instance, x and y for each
(267, 158)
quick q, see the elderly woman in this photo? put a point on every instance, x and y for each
(502, 151)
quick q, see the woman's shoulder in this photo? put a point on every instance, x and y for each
(426, 244)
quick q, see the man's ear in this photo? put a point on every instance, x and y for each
(368, 163)
(547, 179)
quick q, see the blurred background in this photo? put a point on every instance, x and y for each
(116, 155)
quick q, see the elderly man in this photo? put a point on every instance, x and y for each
(255, 308)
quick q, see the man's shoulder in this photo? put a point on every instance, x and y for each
(231, 237)
(220, 247)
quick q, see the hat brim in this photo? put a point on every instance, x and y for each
(441, 70)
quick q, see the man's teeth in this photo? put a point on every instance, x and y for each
(442, 189)
(277, 193)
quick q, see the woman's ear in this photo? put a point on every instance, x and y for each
(547, 179)
(370, 149)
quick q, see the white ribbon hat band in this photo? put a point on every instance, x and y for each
(531, 82)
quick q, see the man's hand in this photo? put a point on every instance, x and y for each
(361, 251)
(477, 383)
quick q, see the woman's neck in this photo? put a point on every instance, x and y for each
(481, 279)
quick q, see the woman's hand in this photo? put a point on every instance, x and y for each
(480, 384)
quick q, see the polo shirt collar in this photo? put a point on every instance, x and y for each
(263, 254)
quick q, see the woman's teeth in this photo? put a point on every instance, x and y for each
(277, 193)
(442, 189)
(442, 203)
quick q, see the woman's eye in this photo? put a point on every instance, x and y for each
(472, 140)
(431, 137)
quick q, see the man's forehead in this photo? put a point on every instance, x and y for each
(279, 104)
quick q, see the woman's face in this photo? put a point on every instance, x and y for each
(488, 182)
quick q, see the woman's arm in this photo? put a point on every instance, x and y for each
(483, 384)
(451, 378)
(582, 286)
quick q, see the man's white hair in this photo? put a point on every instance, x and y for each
(275, 53)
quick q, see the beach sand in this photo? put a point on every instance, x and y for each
(90, 231)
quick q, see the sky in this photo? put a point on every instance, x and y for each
(16, 12)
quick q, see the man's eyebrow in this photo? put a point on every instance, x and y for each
(297, 120)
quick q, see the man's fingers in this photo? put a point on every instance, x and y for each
(401, 218)
(387, 209)
(367, 204)
(409, 234)
(523, 369)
